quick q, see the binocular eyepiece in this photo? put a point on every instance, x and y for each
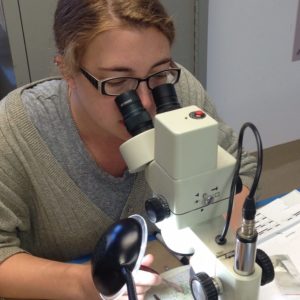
(136, 118)
(165, 98)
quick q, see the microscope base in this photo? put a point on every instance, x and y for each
(234, 286)
(215, 260)
(220, 265)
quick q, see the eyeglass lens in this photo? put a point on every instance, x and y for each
(116, 86)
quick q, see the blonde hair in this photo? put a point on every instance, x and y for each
(77, 22)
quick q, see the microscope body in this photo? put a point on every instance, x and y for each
(189, 171)
(191, 175)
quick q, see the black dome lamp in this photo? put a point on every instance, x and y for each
(117, 255)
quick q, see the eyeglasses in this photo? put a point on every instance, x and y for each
(118, 85)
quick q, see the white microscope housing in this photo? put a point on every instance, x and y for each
(190, 175)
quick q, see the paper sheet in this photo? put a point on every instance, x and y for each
(179, 275)
(278, 216)
(284, 243)
(284, 239)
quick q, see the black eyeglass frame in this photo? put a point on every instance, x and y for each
(99, 84)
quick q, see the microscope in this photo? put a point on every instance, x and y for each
(194, 181)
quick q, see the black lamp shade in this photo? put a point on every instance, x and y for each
(122, 245)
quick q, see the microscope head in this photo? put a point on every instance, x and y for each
(189, 174)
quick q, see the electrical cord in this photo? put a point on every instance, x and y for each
(129, 282)
(249, 209)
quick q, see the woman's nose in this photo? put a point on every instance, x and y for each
(146, 98)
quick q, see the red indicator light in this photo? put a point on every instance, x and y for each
(198, 114)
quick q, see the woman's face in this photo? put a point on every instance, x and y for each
(118, 52)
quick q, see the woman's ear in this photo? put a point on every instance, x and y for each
(71, 84)
(59, 62)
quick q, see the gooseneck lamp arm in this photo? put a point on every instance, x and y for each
(130, 283)
(249, 207)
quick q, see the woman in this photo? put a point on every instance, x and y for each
(63, 180)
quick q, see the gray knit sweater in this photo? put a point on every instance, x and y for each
(42, 211)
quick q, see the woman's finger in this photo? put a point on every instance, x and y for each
(146, 278)
(148, 260)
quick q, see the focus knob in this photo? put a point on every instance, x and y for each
(204, 287)
(157, 209)
(263, 260)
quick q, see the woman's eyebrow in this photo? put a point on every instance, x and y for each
(162, 62)
(128, 69)
(115, 69)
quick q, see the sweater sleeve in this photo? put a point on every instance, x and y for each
(11, 222)
(191, 92)
(14, 213)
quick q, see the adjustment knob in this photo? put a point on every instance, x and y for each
(157, 209)
(204, 287)
(263, 260)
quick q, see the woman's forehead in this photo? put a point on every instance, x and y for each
(127, 48)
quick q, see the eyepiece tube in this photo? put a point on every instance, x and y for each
(165, 98)
(136, 118)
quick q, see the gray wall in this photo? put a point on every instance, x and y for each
(7, 77)
(29, 25)
(250, 72)
(183, 13)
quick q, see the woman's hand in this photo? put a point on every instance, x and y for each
(144, 280)
(85, 288)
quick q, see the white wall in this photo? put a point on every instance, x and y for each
(250, 73)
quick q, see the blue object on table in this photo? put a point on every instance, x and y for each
(81, 260)
(268, 200)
